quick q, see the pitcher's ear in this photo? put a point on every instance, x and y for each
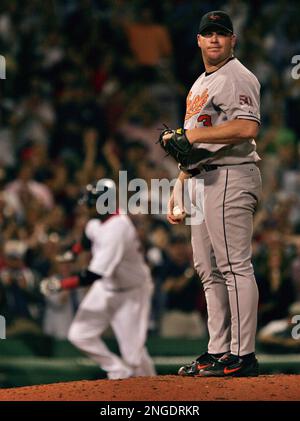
(199, 40)
(233, 40)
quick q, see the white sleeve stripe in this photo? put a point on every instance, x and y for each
(248, 117)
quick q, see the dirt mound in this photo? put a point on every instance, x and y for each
(163, 388)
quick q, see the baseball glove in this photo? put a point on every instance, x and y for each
(176, 144)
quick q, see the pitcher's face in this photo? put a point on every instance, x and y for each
(216, 45)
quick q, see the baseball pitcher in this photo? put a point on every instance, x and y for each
(217, 147)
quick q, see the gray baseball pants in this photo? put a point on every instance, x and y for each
(222, 256)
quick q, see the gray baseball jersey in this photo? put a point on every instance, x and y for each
(228, 93)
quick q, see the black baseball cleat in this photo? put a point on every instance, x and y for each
(232, 366)
(204, 361)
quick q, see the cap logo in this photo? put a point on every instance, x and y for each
(214, 17)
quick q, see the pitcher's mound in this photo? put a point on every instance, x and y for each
(163, 388)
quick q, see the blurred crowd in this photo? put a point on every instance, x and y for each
(87, 85)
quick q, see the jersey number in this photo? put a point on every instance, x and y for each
(205, 119)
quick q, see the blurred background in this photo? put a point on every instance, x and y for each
(87, 85)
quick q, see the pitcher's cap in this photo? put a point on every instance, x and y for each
(216, 19)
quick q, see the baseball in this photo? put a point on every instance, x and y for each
(177, 211)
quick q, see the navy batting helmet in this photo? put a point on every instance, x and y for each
(101, 196)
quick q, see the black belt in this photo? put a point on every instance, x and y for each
(205, 167)
(212, 167)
